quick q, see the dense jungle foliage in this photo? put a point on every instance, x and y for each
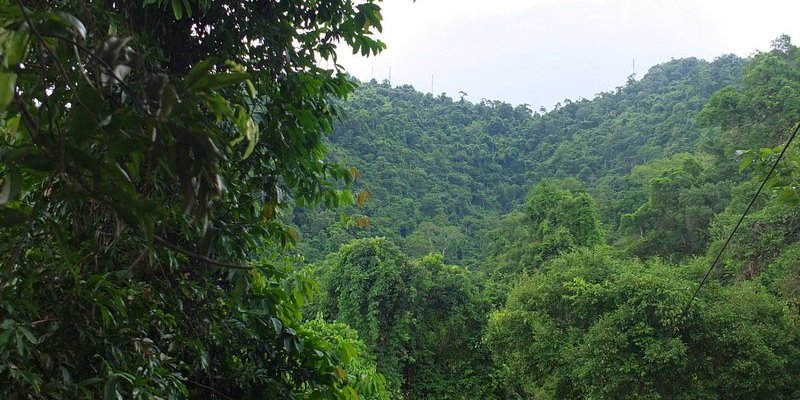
(148, 148)
(441, 171)
(584, 232)
(191, 206)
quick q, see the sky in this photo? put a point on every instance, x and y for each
(539, 52)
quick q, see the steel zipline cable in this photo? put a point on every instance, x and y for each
(688, 305)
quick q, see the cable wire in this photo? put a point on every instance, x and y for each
(688, 306)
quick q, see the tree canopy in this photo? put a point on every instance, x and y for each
(594, 325)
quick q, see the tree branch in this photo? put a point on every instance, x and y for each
(200, 257)
(217, 392)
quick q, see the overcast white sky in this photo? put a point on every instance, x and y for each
(540, 52)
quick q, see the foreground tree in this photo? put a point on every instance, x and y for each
(370, 285)
(146, 151)
(450, 359)
(423, 319)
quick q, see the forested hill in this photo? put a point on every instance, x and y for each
(441, 171)
(159, 158)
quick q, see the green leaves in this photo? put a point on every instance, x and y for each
(110, 391)
(12, 186)
(15, 46)
(219, 80)
(366, 46)
(371, 13)
(202, 78)
(24, 342)
(248, 129)
(785, 180)
(8, 84)
(748, 157)
(177, 8)
(595, 316)
(123, 187)
(421, 319)
(357, 367)
(199, 71)
(67, 20)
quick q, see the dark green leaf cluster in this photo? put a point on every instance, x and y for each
(147, 151)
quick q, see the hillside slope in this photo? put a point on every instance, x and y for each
(441, 171)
